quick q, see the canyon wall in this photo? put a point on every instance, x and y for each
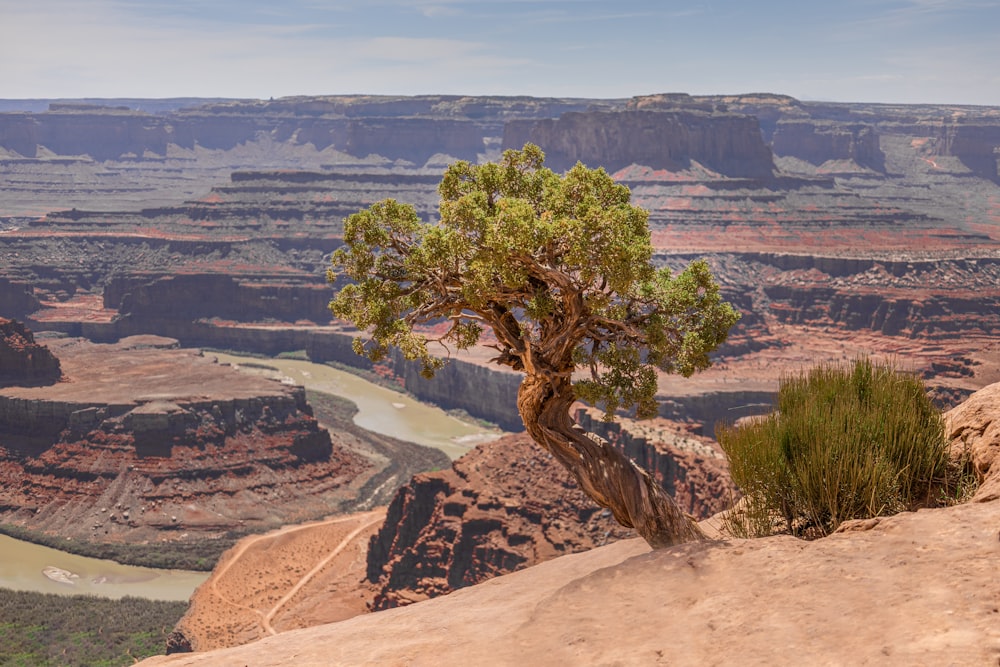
(112, 134)
(409, 129)
(17, 299)
(726, 143)
(818, 142)
(192, 297)
(486, 392)
(834, 250)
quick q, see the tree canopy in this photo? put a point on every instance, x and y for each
(556, 267)
(556, 272)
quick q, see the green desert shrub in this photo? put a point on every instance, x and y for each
(843, 443)
(41, 630)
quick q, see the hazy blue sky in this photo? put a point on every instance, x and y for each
(845, 50)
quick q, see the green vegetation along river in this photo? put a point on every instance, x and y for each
(380, 409)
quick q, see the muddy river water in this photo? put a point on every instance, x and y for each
(379, 409)
(31, 567)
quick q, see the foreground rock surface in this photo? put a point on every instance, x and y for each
(974, 429)
(918, 588)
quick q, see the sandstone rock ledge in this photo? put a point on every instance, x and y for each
(141, 442)
(918, 588)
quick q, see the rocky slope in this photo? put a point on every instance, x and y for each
(23, 362)
(295, 577)
(508, 505)
(915, 588)
(502, 507)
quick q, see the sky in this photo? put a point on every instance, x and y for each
(898, 51)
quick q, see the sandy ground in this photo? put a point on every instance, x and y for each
(270, 583)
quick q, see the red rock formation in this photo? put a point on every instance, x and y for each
(508, 505)
(146, 443)
(504, 506)
(23, 362)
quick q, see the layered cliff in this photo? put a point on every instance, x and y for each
(820, 142)
(392, 128)
(933, 300)
(729, 144)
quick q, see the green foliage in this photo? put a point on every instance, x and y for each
(299, 355)
(39, 629)
(844, 443)
(559, 267)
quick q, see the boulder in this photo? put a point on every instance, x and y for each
(974, 429)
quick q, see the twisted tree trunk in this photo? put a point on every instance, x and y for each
(609, 477)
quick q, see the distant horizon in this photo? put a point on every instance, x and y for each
(850, 51)
(4, 101)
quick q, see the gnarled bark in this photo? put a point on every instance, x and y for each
(609, 477)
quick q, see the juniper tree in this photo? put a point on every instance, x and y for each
(558, 268)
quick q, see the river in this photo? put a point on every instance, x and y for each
(380, 409)
(23, 565)
(32, 567)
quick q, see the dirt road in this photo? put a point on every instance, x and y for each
(265, 584)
